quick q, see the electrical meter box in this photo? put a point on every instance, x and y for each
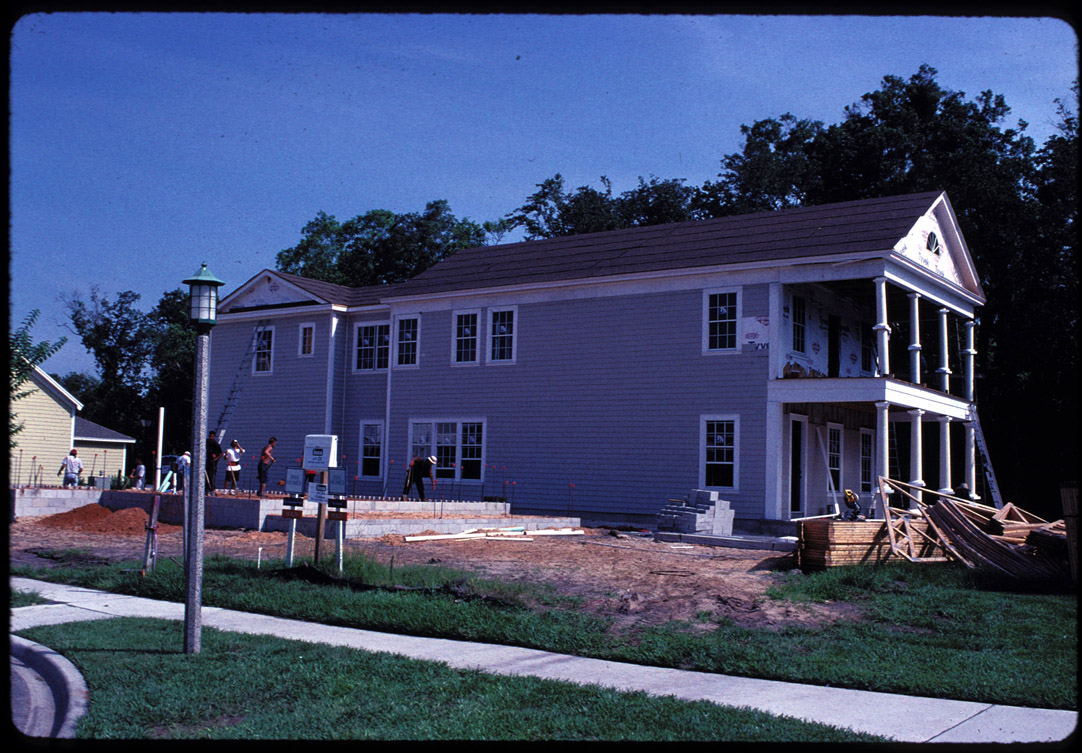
(320, 452)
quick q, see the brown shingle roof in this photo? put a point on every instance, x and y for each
(866, 225)
(340, 294)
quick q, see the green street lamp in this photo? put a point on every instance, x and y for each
(204, 312)
(204, 296)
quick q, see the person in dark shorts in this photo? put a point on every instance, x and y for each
(415, 476)
(266, 460)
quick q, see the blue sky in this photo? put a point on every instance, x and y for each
(144, 144)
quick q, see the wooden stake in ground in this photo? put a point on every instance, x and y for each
(321, 522)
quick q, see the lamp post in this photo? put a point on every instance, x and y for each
(203, 312)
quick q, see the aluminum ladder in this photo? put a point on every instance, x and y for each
(239, 380)
(985, 458)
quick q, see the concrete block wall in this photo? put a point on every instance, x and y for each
(34, 502)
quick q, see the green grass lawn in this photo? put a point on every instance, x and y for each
(143, 686)
(929, 629)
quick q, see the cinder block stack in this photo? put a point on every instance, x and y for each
(702, 511)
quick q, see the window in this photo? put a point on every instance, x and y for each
(502, 336)
(719, 451)
(834, 457)
(464, 348)
(457, 445)
(933, 244)
(800, 319)
(373, 346)
(720, 316)
(408, 331)
(371, 449)
(263, 362)
(866, 460)
(307, 342)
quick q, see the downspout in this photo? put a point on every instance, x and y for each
(387, 407)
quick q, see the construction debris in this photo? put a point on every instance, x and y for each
(1009, 541)
(702, 512)
(506, 534)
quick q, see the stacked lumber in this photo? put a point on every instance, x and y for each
(1008, 540)
(829, 542)
(518, 533)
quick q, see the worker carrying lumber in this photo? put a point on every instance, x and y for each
(852, 504)
(415, 476)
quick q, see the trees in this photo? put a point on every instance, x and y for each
(379, 247)
(552, 211)
(1017, 208)
(143, 360)
(25, 356)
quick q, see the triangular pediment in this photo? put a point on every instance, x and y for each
(935, 243)
(267, 289)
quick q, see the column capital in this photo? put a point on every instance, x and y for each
(881, 404)
(913, 296)
(918, 412)
(944, 419)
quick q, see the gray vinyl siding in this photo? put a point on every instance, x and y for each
(364, 400)
(606, 394)
(287, 403)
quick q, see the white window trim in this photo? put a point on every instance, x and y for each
(394, 344)
(841, 457)
(255, 352)
(706, 349)
(458, 442)
(300, 339)
(871, 435)
(382, 448)
(514, 336)
(356, 344)
(801, 419)
(703, 419)
(479, 335)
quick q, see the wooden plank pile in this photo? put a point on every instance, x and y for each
(1009, 540)
(518, 533)
(830, 542)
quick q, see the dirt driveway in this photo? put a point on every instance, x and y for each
(626, 576)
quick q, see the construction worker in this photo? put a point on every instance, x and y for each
(415, 476)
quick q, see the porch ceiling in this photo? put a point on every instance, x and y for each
(867, 390)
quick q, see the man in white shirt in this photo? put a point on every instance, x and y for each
(71, 466)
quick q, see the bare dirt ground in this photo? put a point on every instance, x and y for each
(626, 576)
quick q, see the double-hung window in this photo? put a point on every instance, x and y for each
(409, 329)
(457, 444)
(502, 335)
(834, 456)
(306, 343)
(373, 346)
(800, 321)
(866, 445)
(719, 447)
(371, 449)
(721, 315)
(464, 349)
(263, 361)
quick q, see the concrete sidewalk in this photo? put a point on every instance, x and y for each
(901, 718)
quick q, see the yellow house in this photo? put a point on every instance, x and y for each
(47, 415)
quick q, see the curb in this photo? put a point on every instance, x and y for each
(69, 689)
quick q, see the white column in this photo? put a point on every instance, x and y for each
(945, 455)
(882, 438)
(914, 338)
(944, 365)
(971, 459)
(916, 444)
(970, 354)
(776, 503)
(882, 327)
